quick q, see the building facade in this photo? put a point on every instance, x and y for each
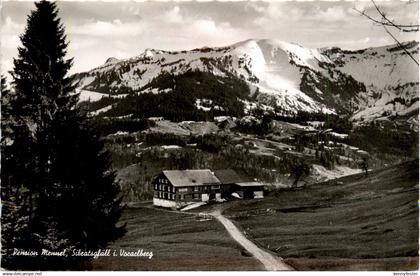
(178, 188)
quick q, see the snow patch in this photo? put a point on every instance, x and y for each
(91, 96)
(168, 147)
(193, 205)
(102, 110)
(322, 174)
(203, 104)
(119, 133)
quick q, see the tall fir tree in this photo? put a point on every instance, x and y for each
(15, 211)
(55, 159)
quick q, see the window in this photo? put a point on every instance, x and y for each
(196, 189)
(183, 190)
(156, 186)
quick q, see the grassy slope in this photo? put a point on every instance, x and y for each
(178, 241)
(328, 226)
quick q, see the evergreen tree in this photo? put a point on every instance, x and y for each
(56, 162)
(365, 166)
(298, 169)
(14, 173)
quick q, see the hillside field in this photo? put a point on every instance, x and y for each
(178, 242)
(353, 223)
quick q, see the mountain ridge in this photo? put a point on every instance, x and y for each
(285, 76)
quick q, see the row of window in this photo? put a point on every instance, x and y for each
(163, 195)
(164, 188)
(200, 188)
(169, 196)
(163, 181)
(205, 188)
(192, 196)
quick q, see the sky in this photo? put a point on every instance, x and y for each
(99, 30)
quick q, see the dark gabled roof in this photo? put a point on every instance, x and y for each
(230, 176)
(187, 178)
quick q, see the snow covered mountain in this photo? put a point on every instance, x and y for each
(281, 76)
(391, 78)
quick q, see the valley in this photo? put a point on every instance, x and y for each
(260, 106)
(268, 156)
(307, 123)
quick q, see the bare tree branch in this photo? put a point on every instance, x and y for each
(385, 21)
(401, 46)
(411, 27)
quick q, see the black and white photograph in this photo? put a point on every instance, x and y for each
(209, 136)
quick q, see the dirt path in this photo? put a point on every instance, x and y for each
(270, 262)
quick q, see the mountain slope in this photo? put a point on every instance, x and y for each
(284, 76)
(390, 75)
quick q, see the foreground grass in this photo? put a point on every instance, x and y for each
(354, 223)
(178, 241)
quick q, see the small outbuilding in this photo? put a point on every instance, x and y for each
(250, 190)
(233, 182)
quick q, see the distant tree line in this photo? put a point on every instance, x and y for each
(376, 138)
(341, 85)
